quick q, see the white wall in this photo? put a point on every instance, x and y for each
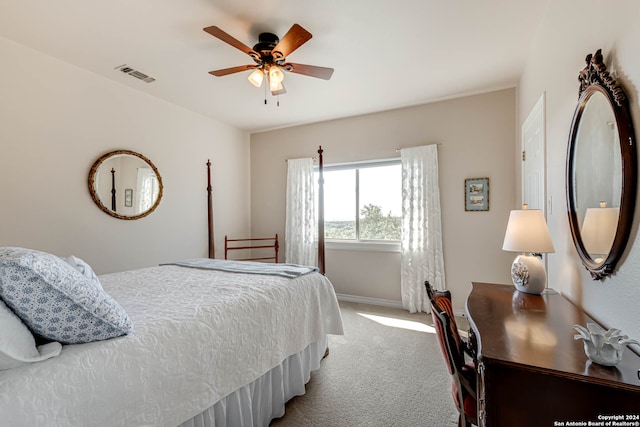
(57, 119)
(571, 30)
(477, 134)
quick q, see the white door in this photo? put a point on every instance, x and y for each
(533, 158)
(533, 161)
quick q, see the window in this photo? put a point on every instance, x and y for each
(363, 201)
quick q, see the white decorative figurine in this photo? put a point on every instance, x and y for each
(603, 347)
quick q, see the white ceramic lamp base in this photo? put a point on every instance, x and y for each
(528, 275)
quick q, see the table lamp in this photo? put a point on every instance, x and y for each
(527, 233)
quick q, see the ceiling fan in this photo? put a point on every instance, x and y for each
(269, 55)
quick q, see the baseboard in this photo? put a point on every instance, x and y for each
(367, 300)
(383, 302)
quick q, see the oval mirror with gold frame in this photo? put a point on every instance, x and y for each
(125, 184)
(601, 170)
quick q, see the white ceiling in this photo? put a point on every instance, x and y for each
(385, 54)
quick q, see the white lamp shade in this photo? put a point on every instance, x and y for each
(599, 229)
(275, 86)
(276, 74)
(527, 232)
(256, 77)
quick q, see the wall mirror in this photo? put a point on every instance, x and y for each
(125, 184)
(601, 170)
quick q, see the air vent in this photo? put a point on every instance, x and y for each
(135, 73)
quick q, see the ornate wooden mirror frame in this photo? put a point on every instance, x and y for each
(596, 81)
(105, 197)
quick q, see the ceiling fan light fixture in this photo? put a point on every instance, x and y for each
(275, 86)
(276, 74)
(256, 77)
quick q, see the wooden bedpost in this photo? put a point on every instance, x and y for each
(113, 189)
(212, 251)
(321, 260)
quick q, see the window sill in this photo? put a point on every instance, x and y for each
(352, 245)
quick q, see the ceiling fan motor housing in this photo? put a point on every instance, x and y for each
(268, 38)
(266, 43)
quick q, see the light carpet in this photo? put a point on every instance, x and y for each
(387, 370)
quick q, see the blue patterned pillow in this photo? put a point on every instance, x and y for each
(56, 301)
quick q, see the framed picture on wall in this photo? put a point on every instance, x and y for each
(128, 197)
(476, 194)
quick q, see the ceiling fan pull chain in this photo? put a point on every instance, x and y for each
(265, 94)
(278, 101)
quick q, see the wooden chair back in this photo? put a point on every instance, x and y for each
(453, 351)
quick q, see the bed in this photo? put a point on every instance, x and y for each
(192, 343)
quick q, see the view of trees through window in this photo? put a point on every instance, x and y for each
(363, 202)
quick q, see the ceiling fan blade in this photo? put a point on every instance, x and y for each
(279, 92)
(295, 37)
(227, 71)
(309, 70)
(218, 33)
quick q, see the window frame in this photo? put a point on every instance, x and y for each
(361, 244)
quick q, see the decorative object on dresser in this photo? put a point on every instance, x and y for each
(601, 168)
(527, 232)
(603, 347)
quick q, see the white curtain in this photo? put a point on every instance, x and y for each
(146, 190)
(300, 216)
(421, 247)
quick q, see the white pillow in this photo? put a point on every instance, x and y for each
(17, 346)
(83, 268)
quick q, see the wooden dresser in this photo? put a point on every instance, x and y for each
(531, 371)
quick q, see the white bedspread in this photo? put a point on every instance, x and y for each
(194, 342)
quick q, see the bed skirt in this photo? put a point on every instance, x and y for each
(257, 403)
